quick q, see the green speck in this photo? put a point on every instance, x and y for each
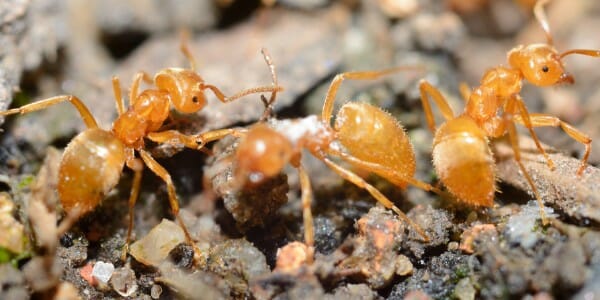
(5, 255)
(20, 99)
(25, 182)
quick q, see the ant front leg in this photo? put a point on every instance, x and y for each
(197, 141)
(514, 141)
(361, 183)
(427, 89)
(84, 112)
(118, 96)
(327, 111)
(135, 85)
(465, 91)
(525, 119)
(164, 175)
(542, 120)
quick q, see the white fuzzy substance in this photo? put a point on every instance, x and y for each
(295, 129)
(521, 227)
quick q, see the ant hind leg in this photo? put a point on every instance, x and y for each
(427, 89)
(309, 232)
(358, 181)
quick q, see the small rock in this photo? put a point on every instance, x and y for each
(155, 291)
(373, 259)
(103, 271)
(155, 247)
(239, 262)
(464, 290)
(123, 281)
(353, 292)
(291, 257)
(403, 266)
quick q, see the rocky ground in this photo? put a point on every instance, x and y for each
(249, 240)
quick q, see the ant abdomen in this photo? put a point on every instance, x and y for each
(464, 161)
(372, 135)
(91, 166)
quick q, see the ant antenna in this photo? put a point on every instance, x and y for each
(184, 39)
(268, 113)
(540, 15)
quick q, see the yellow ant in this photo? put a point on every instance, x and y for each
(93, 161)
(363, 135)
(461, 155)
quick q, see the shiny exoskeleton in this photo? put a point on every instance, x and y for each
(93, 161)
(363, 135)
(461, 155)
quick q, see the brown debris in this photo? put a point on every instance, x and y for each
(291, 257)
(474, 233)
(373, 259)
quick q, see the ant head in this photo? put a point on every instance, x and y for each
(185, 88)
(262, 153)
(540, 64)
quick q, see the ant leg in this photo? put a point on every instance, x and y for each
(514, 141)
(183, 46)
(309, 232)
(355, 179)
(360, 75)
(256, 90)
(164, 175)
(135, 85)
(465, 91)
(541, 120)
(84, 112)
(394, 177)
(427, 89)
(118, 96)
(193, 141)
(137, 166)
(525, 119)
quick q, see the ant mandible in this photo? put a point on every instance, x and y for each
(461, 155)
(93, 161)
(363, 135)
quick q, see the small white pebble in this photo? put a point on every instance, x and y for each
(103, 271)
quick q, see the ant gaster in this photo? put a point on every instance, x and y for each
(363, 135)
(461, 155)
(93, 161)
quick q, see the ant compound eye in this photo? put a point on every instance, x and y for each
(195, 98)
(545, 69)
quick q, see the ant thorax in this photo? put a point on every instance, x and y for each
(303, 131)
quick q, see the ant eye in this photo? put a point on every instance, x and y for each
(545, 69)
(195, 98)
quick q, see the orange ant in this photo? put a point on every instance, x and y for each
(363, 135)
(93, 161)
(461, 155)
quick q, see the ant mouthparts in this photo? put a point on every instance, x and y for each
(566, 78)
